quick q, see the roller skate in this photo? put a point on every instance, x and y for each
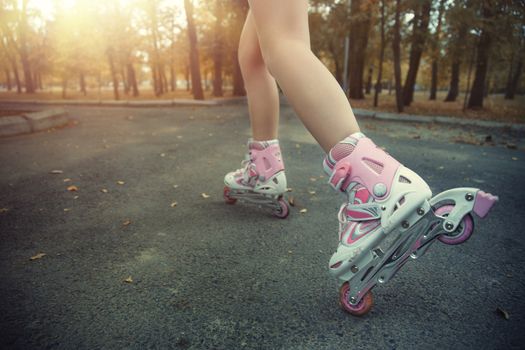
(261, 179)
(389, 218)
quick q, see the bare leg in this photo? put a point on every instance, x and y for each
(282, 29)
(261, 88)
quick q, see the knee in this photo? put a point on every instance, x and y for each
(250, 59)
(278, 51)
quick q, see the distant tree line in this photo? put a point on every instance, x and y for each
(476, 46)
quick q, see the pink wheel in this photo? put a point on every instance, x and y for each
(283, 210)
(462, 233)
(227, 198)
(361, 308)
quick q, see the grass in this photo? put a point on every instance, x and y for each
(495, 106)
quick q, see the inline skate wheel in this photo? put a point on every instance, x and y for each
(283, 210)
(361, 308)
(463, 231)
(227, 198)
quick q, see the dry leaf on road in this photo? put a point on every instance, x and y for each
(104, 190)
(128, 280)
(204, 195)
(174, 204)
(302, 211)
(3, 210)
(291, 201)
(126, 222)
(72, 188)
(38, 256)
(56, 172)
(120, 182)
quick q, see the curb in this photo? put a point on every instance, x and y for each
(437, 119)
(33, 122)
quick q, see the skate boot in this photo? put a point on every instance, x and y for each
(389, 218)
(261, 179)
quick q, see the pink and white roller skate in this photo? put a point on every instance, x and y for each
(261, 180)
(389, 218)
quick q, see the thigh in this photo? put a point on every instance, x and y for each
(281, 19)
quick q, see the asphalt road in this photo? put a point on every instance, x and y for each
(205, 275)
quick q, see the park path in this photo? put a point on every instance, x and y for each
(143, 253)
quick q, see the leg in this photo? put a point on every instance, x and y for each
(261, 88)
(282, 28)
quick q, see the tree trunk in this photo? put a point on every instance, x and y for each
(483, 49)
(338, 71)
(194, 53)
(514, 79)
(420, 30)
(396, 48)
(8, 79)
(164, 79)
(359, 31)
(82, 82)
(187, 75)
(113, 74)
(173, 78)
(369, 82)
(436, 52)
(132, 79)
(381, 56)
(514, 74)
(217, 50)
(24, 54)
(238, 82)
(17, 77)
(453, 91)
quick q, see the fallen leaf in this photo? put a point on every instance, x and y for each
(313, 179)
(3, 210)
(76, 197)
(126, 222)
(175, 186)
(129, 280)
(502, 313)
(174, 204)
(120, 182)
(514, 158)
(56, 172)
(302, 211)
(38, 256)
(72, 188)
(441, 167)
(103, 190)
(204, 195)
(67, 180)
(163, 154)
(290, 252)
(289, 189)
(311, 192)
(67, 209)
(291, 201)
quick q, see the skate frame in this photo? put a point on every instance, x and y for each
(412, 240)
(267, 200)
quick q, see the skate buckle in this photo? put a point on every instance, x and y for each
(339, 178)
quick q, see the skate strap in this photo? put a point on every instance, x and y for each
(363, 212)
(339, 180)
